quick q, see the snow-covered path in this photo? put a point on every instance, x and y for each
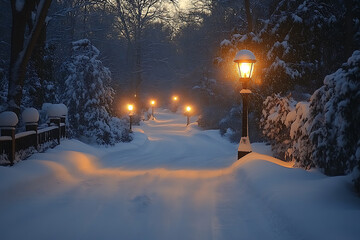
(171, 182)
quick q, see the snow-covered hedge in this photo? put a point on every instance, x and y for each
(324, 132)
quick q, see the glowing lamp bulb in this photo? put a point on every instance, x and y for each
(175, 98)
(152, 102)
(130, 107)
(245, 69)
(188, 108)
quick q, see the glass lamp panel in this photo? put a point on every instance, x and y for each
(245, 69)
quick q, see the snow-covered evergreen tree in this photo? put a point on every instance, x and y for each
(88, 96)
(291, 45)
(294, 37)
(274, 123)
(335, 113)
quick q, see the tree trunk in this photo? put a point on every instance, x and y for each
(21, 50)
(39, 64)
(248, 15)
(19, 19)
(138, 65)
(138, 70)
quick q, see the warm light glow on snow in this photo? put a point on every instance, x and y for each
(87, 164)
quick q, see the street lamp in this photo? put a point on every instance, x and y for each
(245, 61)
(152, 102)
(174, 104)
(187, 113)
(130, 108)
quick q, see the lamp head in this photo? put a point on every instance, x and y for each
(245, 61)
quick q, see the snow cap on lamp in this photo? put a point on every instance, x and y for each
(244, 56)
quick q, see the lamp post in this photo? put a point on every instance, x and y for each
(130, 108)
(152, 103)
(187, 113)
(245, 61)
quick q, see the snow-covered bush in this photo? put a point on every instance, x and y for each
(286, 125)
(274, 123)
(335, 113)
(300, 149)
(88, 96)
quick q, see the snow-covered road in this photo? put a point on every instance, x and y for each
(171, 182)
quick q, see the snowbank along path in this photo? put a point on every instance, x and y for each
(171, 182)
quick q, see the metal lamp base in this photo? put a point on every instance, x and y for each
(244, 147)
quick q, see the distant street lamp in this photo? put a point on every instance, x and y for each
(152, 102)
(245, 61)
(174, 104)
(187, 113)
(131, 113)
